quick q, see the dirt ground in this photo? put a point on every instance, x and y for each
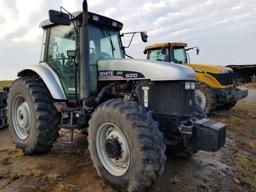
(68, 168)
(251, 85)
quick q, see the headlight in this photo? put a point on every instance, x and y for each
(190, 85)
(193, 85)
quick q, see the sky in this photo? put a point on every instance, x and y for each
(224, 30)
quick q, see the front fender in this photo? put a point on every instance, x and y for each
(208, 80)
(49, 77)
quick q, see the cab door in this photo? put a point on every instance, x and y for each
(61, 39)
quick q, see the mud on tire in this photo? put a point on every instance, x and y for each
(33, 120)
(145, 144)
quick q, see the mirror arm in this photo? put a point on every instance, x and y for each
(129, 33)
(70, 14)
(128, 55)
(190, 48)
(130, 40)
(72, 17)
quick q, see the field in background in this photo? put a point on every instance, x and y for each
(6, 83)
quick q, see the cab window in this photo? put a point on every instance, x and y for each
(62, 39)
(180, 56)
(105, 43)
(158, 55)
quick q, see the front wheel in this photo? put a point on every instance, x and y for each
(205, 98)
(33, 120)
(126, 147)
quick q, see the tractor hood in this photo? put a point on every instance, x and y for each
(126, 69)
(210, 68)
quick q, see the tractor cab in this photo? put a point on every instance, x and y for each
(60, 47)
(168, 52)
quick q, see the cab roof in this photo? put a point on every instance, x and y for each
(167, 44)
(93, 18)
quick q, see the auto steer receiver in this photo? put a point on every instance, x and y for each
(209, 135)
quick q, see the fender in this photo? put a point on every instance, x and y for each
(49, 77)
(208, 80)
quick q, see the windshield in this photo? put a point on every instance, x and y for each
(104, 43)
(180, 56)
(158, 55)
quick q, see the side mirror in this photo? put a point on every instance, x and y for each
(59, 18)
(144, 36)
(145, 51)
(197, 51)
(163, 50)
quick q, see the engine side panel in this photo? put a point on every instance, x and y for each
(133, 69)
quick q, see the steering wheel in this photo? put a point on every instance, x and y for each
(177, 61)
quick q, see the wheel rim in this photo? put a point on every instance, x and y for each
(200, 99)
(113, 149)
(21, 117)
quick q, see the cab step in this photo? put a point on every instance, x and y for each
(73, 118)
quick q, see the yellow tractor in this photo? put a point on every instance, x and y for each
(215, 87)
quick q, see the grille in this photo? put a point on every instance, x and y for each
(171, 98)
(224, 79)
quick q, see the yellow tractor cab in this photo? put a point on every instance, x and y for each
(215, 88)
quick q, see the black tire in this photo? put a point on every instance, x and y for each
(145, 141)
(3, 99)
(43, 116)
(3, 123)
(3, 118)
(199, 113)
(3, 113)
(3, 105)
(226, 106)
(203, 91)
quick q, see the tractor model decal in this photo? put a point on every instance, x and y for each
(119, 75)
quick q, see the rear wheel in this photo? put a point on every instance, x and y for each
(3, 116)
(205, 98)
(32, 118)
(126, 147)
(3, 99)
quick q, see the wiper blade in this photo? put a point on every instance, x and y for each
(111, 43)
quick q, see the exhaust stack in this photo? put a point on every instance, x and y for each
(84, 56)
